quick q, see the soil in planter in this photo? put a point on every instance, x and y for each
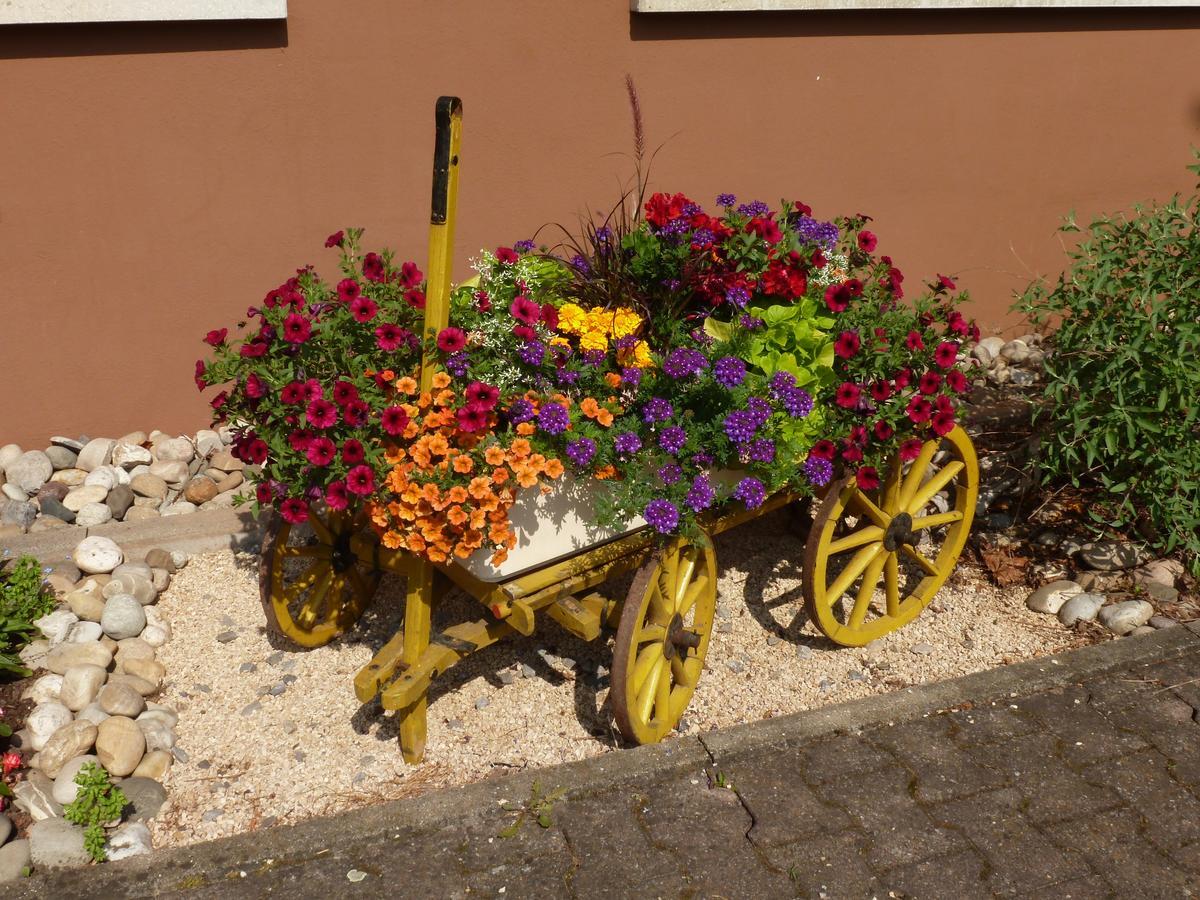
(16, 711)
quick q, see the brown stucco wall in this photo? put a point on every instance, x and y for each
(157, 179)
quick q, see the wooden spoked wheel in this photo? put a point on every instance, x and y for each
(662, 640)
(312, 586)
(875, 559)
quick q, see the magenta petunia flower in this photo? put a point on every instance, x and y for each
(216, 337)
(363, 309)
(823, 449)
(506, 256)
(472, 418)
(410, 275)
(300, 439)
(910, 449)
(525, 310)
(355, 413)
(313, 390)
(255, 347)
(482, 394)
(256, 452)
(336, 496)
(524, 332)
(451, 340)
(847, 344)
(201, 384)
(321, 451)
(837, 297)
(930, 383)
(957, 381)
(263, 493)
(919, 410)
(415, 297)
(373, 267)
(255, 386)
(389, 336)
(946, 354)
(847, 395)
(360, 480)
(352, 452)
(335, 239)
(296, 329)
(344, 392)
(914, 342)
(883, 431)
(293, 393)
(943, 422)
(867, 241)
(881, 390)
(348, 289)
(294, 510)
(394, 420)
(867, 478)
(321, 413)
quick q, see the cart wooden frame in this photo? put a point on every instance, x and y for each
(852, 583)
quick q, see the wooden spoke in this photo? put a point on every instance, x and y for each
(854, 568)
(670, 606)
(311, 576)
(856, 539)
(891, 583)
(867, 507)
(916, 473)
(919, 558)
(320, 529)
(933, 485)
(922, 522)
(904, 497)
(862, 600)
(318, 552)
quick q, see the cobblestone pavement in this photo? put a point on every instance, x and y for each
(1089, 789)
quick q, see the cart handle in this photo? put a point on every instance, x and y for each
(447, 143)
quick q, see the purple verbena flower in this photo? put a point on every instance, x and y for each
(670, 474)
(738, 296)
(661, 515)
(532, 353)
(751, 323)
(683, 362)
(520, 411)
(700, 495)
(762, 450)
(593, 357)
(726, 200)
(702, 459)
(627, 443)
(581, 451)
(565, 376)
(553, 418)
(703, 237)
(729, 371)
(798, 402)
(657, 410)
(818, 470)
(580, 264)
(631, 376)
(751, 492)
(781, 381)
(740, 426)
(458, 364)
(760, 409)
(523, 246)
(672, 439)
(756, 208)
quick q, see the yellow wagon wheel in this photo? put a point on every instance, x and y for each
(875, 559)
(312, 586)
(662, 640)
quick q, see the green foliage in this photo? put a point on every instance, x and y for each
(795, 339)
(98, 802)
(1124, 376)
(23, 599)
(537, 806)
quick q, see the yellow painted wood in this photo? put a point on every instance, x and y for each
(418, 608)
(848, 620)
(522, 617)
(409, 687)
(380, 669)
(441, 246)
(581, 620)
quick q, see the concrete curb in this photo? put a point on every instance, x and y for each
(207, 866)
(205, 531)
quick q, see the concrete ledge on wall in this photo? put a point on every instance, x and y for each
(683, 6)
(31, 12)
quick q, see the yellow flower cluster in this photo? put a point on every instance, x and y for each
(597, 326)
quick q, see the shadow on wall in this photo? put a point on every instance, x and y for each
(844, 22)
(104, 38)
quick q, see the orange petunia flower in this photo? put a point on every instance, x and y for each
(606, 473)
(457, 494)
(463, 464)
(499, 475)
(589, 407)
(455, 515)
(480, 488)
(406, 385)
(520, 448)
(527, 478)
(431, 492)
(438, 445)
(553, 468)
(393, 540)
(604, 417)
(525, 428)
(494, 455)
(424, 400)
(416, 543)
(612, 379)
(387, 375)
(441, 380)
(444, 398)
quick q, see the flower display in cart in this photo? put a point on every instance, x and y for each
(676, 360)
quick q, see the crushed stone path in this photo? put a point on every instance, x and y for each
(1072, 776)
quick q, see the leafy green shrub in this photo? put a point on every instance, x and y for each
(23, 599)
(98, 802)
(1124, 379)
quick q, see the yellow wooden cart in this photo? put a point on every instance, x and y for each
(872, 562)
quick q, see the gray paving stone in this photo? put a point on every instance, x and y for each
(988, 724)
(898, 828)
(1171, 811)
(784, 808)
(1090, 887)
(829, 865)
(827, 759)
(942, 769)
(959, 876)
(1019, 857)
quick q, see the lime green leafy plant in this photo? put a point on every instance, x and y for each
(24, 598)
(1124, 377)
(98, 802)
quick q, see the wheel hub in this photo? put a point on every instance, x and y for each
(679, 639)
(899, 532)
(343, 555)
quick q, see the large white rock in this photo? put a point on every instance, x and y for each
(83, 495)
(45, 689)
(46, 719)
(120, 745)
(97, 555)
(93, 514)
(140, 587)
(80, 686)
(56, 625)
(9, 453)
(171, 471)
(65, 788)
(72, 740)
(123, 617)
(131, 839)
(95, 454)
(29, 471)
(126, 456)
(57, 844)
(1123, 618)
(105, 477)
(85, 632)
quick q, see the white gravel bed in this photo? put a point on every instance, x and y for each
(313, 749)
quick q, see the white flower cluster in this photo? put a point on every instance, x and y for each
(834, 270)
